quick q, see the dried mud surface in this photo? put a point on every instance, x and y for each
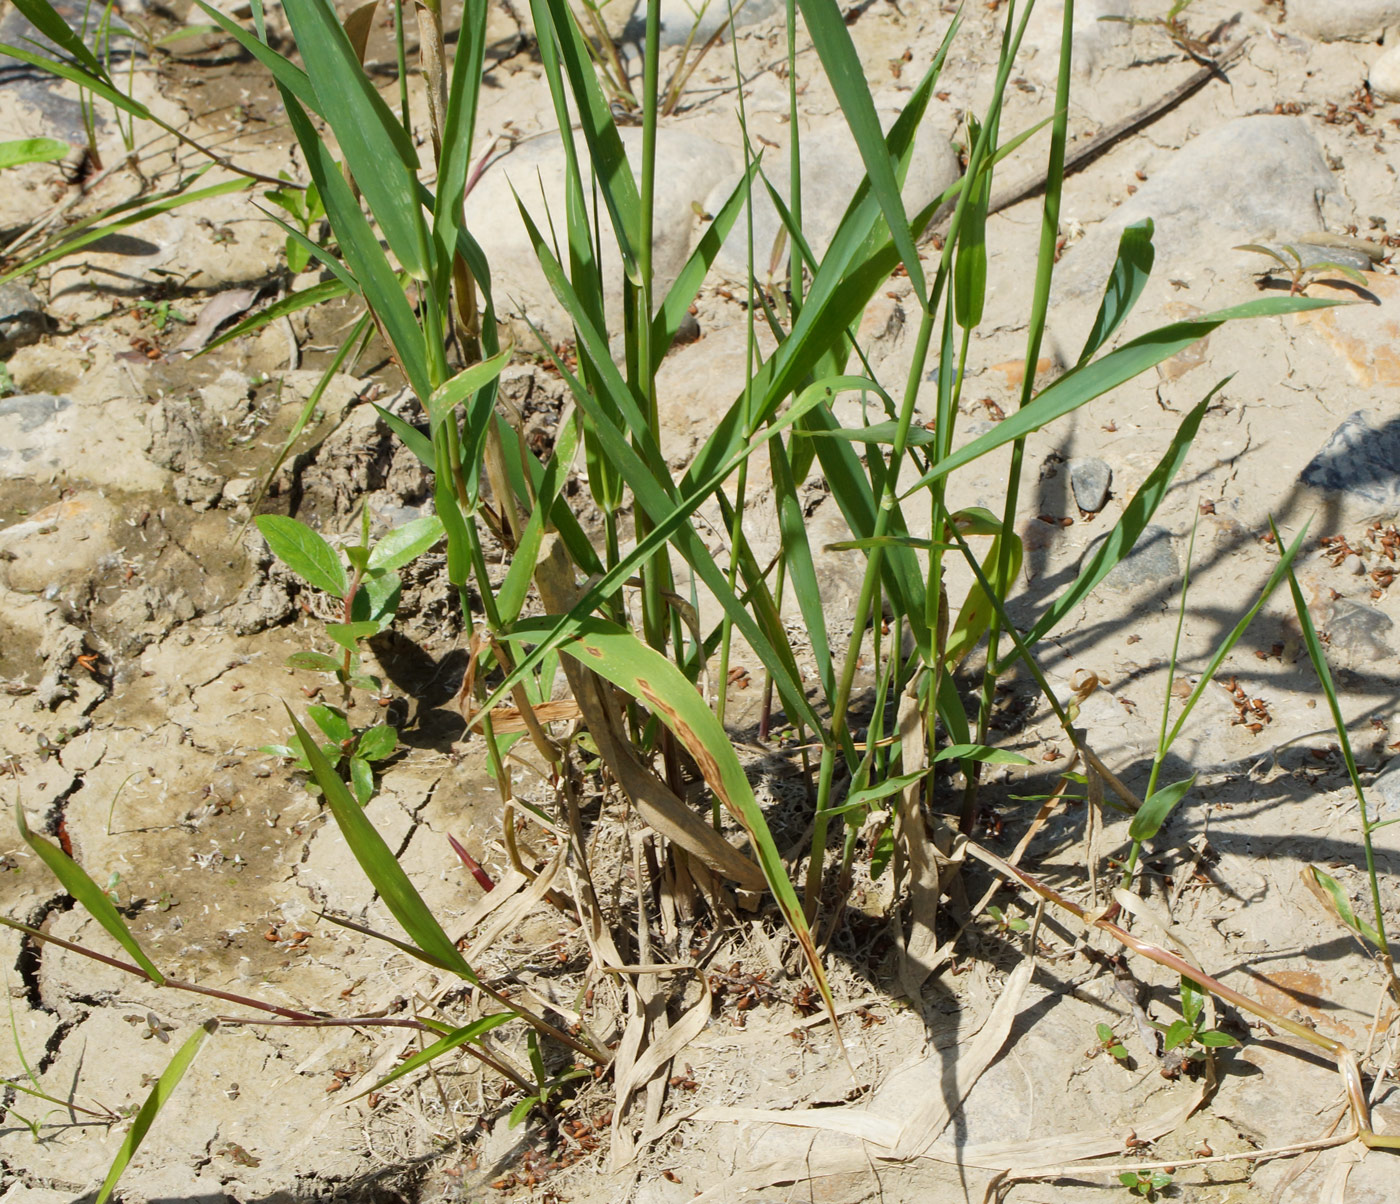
(144, 629)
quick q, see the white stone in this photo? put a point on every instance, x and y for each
(687, 167)
(1343, 20)
(1385, 75)
(832, 170)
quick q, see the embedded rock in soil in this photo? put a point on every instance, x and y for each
(1153, 561)
(1095, 35)
(1351, 20)
(1250, 179)
(679, 19)
(61, 545)
(1357, 632)
(1090, 478)
(832, 170)
(1361, 463)
(22, 319)
(1385, 75)
(687, 168)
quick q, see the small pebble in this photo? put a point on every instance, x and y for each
(1353, 565)
(1090, 478)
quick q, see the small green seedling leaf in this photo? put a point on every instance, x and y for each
(332, 722)
(304, 552)
(405, 544)
(1157, 807)
(320, 661)
(1214, 1039)
(76, 882)
(460, 1036)
(377, 743)
(348, 635)
(361, 780)
(980, 752)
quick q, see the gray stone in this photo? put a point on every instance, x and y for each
(33, 432)
(22, 319)
(1359, 461)
(1343, 20)
(1090, 478)
(1357, 632)
(1152, 562)
(1249, 180)
(1384, 76)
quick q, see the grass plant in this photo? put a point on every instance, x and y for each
(403, 249)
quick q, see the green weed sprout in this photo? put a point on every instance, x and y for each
(1108, 1043)
(1145, 1183)
(304, 208)
(1188, 1034)
(1301, 274)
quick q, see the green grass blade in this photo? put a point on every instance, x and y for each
(160, 1093)
(455, 1039)
(615, 180)
(1136, 515)
(305, 552)
(1157, 807)
(683, 291)
(1081, 385)
(1281, 570)
(970, 264)
(177, 197)
(797, 554)
(306, 298)
(377, 149)
(74, 879)
(827, 27)
(449, 394)
(412, 438)
(1131, 268)
(289, 76)
(42, 15)
(363, 254)
(380, 865)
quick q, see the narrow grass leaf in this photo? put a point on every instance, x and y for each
(1136, 515)
(287, 75)
(458, 1037)
(1156, 807)
(1329, 891)
(74, 879)
(682, 293)
(797, 555)
(377, 149)
(304, 552)
(980, 752)
(411, 437)
(448, 395)
(306, 298)
(1131, 268)
(46, 19)
(1082, 384)
(827, 27)
(174, 199)
(364, 257)
(160, 1094)
(970, 264)
(1281, 570)
(380, 865)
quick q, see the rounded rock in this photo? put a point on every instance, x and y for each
(1090, 478)
(1385, 75)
